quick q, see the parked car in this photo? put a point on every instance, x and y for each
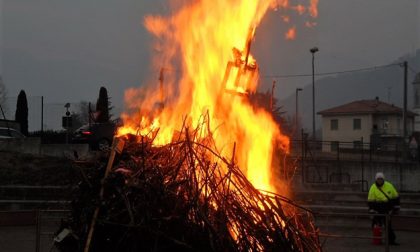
(98, 135)
(10, 133)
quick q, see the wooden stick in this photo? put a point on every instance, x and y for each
(117, 146)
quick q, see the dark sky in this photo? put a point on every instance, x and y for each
(65, 50)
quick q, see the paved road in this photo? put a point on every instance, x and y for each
(22, 239)
(409, 241)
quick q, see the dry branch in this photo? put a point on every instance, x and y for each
(185, 196)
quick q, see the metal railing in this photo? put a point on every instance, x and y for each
(324, 162)
(353, 151)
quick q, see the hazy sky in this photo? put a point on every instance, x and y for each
(65, 50)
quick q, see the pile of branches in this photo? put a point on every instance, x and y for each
(183, 196)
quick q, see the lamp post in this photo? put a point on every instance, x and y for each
(313, 51)
(297, 109)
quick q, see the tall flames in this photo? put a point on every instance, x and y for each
(206, 69)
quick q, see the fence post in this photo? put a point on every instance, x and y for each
(338, 163)
(386, 233)
(38, 231)
(302, 156)
(363, 165)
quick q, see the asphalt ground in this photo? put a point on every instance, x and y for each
(22, 239)
(409, 241)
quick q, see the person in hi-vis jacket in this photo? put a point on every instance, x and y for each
(383, 199)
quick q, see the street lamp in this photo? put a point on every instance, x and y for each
(297, 110)
(313, 51)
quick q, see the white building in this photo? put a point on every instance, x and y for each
(370, 121)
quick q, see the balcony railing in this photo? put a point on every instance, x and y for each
(390, 132)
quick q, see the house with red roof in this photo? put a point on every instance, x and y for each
(368, 121)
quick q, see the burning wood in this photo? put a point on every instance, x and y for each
(177, 190)
(184, 196)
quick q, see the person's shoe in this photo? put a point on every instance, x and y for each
(394, 244)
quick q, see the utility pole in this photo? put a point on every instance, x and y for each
(405, 64)
(42, 115)
(405, 142)
(297, 109)
(272, 95)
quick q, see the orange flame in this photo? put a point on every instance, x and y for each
(300, 9)
(285, 19)
(313, 8)
(310, 24)
(208, 42)
(291, 34)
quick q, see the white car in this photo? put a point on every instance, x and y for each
(9, 133)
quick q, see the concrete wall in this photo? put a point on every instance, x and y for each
(32, 145)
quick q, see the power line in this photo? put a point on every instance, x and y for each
(330, 73)
(412, 70)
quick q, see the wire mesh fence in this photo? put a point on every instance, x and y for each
(356, 151)
(356, 163)
(48, 115)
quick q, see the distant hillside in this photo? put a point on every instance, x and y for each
(336, 90)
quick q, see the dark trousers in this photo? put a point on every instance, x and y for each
(380, 220)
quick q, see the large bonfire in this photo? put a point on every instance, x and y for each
(196, 172)
(206, 46)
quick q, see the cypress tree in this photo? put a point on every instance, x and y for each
(21, 115)
(102, 106)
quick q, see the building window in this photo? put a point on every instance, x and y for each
(334, 124)
(385, 123)
(335, 145)
(357, 124)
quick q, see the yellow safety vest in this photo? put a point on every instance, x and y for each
(377, 196)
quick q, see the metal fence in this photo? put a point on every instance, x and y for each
(47, 115)
(356, 163)
(357, 151)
